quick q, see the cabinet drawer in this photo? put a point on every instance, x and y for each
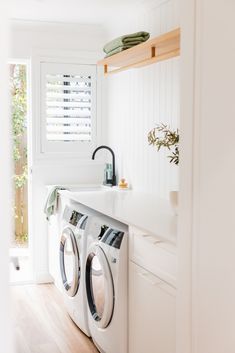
(154, 255)
(152, 313)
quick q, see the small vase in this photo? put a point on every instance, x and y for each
(173, 196)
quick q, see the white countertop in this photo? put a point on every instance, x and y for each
(153, 216)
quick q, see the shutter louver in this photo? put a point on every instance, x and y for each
(68, 107)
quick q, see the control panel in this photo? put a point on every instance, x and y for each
(71, 216)
(112, 237)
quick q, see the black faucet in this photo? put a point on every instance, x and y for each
(113, 180)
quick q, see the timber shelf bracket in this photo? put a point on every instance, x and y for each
(160, 48)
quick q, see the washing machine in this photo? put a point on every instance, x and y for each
(72, 256)
(106, 284)
(54, 233)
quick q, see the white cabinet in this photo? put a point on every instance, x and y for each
(152, 298)
(151, 313)
(155, 255)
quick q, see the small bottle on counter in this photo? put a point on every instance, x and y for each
(123, 184)
(108, 174)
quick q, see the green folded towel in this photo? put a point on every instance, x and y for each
(123, 47)
(118, 50)
(51, 201)
(128, 39)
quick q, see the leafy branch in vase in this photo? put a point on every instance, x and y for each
(163, 136)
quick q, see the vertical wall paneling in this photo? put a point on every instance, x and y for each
(138, 99)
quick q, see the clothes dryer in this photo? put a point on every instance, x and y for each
(106, 284)
(72, 255)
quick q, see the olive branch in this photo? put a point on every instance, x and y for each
(163, 136)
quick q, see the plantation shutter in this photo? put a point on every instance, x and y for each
(68, 107)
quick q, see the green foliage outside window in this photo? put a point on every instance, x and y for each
(18, 90)
(19, 111)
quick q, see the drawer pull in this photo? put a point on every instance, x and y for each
(151, 239)
(148, 277)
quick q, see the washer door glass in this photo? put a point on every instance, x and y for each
(99, 285)
(69, 262)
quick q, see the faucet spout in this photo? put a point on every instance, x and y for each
(113, 182)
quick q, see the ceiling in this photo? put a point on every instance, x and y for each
(73, 11)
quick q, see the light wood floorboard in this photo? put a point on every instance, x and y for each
(41, 323)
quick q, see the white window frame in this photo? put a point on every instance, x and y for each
(77, 150)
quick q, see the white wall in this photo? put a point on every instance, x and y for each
(6, 189)
(138, 99)
(214, 236)
(185, 217)
(209, 35)
(28, 37)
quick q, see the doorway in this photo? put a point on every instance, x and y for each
(20, 242)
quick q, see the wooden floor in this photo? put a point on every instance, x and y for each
(41, 323)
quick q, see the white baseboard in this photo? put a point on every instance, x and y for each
(21, 283)
(41, 278)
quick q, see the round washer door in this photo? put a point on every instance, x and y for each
(99, 287)
(69, 262)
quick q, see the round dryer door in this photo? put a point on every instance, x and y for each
(69, 262)
(99, 286)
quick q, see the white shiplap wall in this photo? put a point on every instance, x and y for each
(140, 98)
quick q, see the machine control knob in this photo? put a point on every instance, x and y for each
(113, 260)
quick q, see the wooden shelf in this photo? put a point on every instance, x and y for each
(157, 49)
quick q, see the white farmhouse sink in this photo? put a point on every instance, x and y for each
(87, 188)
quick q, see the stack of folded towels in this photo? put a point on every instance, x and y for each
(125, 42)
